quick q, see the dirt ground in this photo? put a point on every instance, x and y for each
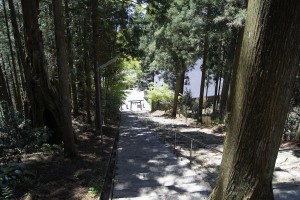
(79, 178)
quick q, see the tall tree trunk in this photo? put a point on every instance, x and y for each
(267, 68)
(88, 81)
(207, 86)
(178, 87)
(21, 55)
(14, 67)
(203, 78)
(97, 79)
(231, 92)
(224, 94)
(45, 102)
(216, 93)
(63, 78)
(10, 79)
(70, 59)
(7, 86)
(4, 93)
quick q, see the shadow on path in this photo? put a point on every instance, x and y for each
(147, 169)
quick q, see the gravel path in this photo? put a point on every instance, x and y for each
(147, 168)
(286, 177)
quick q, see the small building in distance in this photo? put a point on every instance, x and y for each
(135, 101)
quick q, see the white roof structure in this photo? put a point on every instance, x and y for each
(135, 101)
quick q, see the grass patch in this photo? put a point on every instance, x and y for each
(96, 187)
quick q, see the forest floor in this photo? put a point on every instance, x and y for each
(207, 160)
(80, 178)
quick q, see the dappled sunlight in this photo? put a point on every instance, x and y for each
(148, 168)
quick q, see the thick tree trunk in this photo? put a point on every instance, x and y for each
(178, 87)
(45, 105)
(15, 75)
(63, 79)
(268, 63)
(70, 59)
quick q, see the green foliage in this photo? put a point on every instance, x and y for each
(12, 174)
(187, 99)
(115, 98)
(131, 69)
(6, 192)
(47, 148)
(160, 97)
(96, 187)
(292, 123)
(17, 137)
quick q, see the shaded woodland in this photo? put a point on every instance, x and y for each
(52, 54)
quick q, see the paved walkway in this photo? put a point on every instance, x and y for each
(147, 169)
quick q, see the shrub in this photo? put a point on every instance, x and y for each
(16, 137)
(159, 97)
(292, 123)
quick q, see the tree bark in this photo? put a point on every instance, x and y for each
(7, 86)
(45, 102)
(4, 94)
(216, 93)
(178, 87)
(63, 78)
(267, 67)
(234, 52)
(70, 59)
(15, 76)
(87, 70)
(97, 79)
(21, 55)
(203, 77)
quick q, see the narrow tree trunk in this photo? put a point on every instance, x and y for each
(97, 79)
(233, 83)
(21, 55)
(70, 59)
(234, 53)
(178, 87)
(219, 88)
(207, 86)
(4, 93)
(87, 70)
(271, 36)
(7, 86)
(216, 93)
(14, 67)
(63, 78)
(203, 78)
(224, 94)
(10, 80)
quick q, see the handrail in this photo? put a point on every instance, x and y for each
(201, 143)
(191, 145)
(108, 167)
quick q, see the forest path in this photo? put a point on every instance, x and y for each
(148, 169)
